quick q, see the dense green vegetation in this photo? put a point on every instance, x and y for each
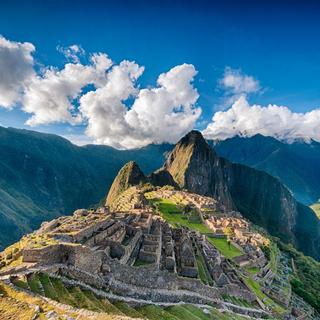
(306, 276)
(154, 312)
(253, 270)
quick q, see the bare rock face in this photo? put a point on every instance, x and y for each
(129, 175)
(196, 167)
(161, 178)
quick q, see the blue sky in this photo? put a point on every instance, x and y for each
(278, 45)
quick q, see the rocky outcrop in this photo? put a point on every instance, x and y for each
(196, 167)
(263, 199)
(129, 175)
(161, 178)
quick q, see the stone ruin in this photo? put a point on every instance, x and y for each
(94, 241)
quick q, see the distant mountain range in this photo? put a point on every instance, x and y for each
(297, 164)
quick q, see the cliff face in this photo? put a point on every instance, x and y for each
(129, 175)
(284, 160)
(196, 167)
(257, 195)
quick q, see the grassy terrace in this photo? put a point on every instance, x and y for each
(255, 287)
(252, 270)
(222, 245)
(204, 274)
(81, 298)
(175, 217)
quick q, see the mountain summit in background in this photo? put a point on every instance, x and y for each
(295, 164)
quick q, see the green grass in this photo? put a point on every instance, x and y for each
(217, 315)
(182, 313)
(127, 310)
(80, 298)
(20, 283)
(47, 286)
(153, 312)
(252, 270)
(34, 284)
(191, 312)
(62, 293)
(140, 263)
(174, 216)
(238, 301)
(98, 304)
(203, 271)
(255, 287)
(222, 245)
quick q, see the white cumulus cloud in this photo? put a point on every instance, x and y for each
(16, 70)
(50, 97)
(160, 114)
(272, 120)
(72, 52)
(237, 82)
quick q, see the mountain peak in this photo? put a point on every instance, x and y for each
(193, 164)
(194, 137)
(129, 175)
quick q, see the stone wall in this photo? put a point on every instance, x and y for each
(234, 290)
(76, 255)
(88, 232)
(83, 276)
(157, 279)
(85, 259)
(128, 249)
(50, 254)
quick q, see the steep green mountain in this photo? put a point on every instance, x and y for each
(257, 195)
(129, 175)
(295, 164)
(43, 176)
